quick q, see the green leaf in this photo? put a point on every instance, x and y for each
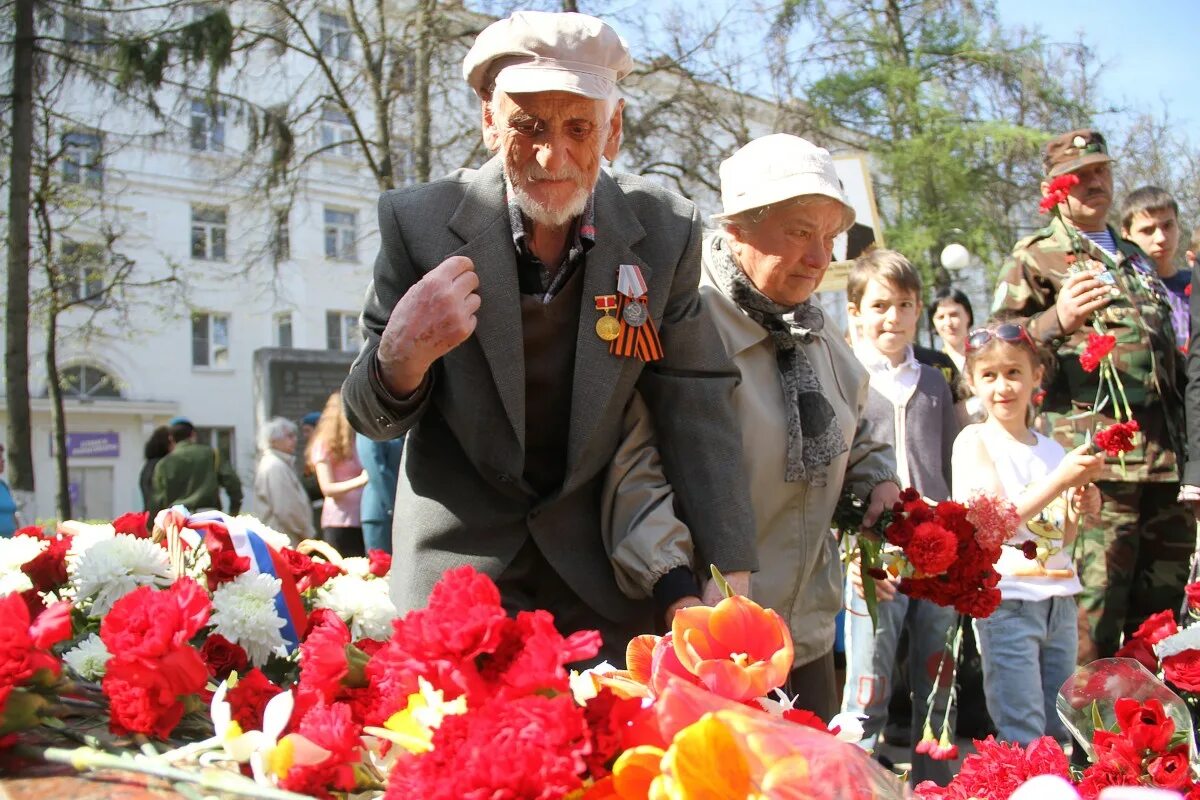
(726, 589)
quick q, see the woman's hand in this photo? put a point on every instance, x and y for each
(883, 496)
(885, 589)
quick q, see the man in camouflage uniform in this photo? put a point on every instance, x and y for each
(1133, 556)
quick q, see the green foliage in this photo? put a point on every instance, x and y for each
(143, 60)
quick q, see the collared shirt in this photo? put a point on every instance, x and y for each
(533, 276)
(896, 383)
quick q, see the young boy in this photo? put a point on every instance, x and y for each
(1150, 219)
(910, 406)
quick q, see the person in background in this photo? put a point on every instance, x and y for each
(381, 460)
(192, 474)
(157, 446)
(951, 316)
(334, 459)
(308, 477)
(1150, 219)
(1029, 643)
(8, 506)
(910, 406)
(280, 500)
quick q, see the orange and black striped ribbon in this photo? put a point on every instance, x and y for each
(642, 341)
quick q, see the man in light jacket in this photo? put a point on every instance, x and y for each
(280, 498)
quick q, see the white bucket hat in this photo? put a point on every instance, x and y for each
(775, 168)
(540, 51)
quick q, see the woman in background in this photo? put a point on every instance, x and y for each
(157, 446)
(332, 454)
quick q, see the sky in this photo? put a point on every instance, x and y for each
(1150, 48)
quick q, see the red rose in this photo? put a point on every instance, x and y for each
(135, 523)
(932, 548)
(48, 569)
(1183, 670)
(381, 562)
(223, 657)
(1192, 590)
(224, 562)
(1170, 770)
(1098, 346)
(1157, 627)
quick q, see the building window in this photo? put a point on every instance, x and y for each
(281, 237)
(283, 329)
(221, 440)
(208, 233)
(85, 33)
(340, 235)
(81, 159)
(208, 126)
(341, 331)
(337, 134)
(81, 273)
(334, 36)
(84, 382)
(210, 340)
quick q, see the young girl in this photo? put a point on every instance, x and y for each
(1028, 645)
(332, 453)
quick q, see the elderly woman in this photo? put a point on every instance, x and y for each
(800, 404)
(280, 499)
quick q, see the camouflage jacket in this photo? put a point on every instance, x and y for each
(1149, 366)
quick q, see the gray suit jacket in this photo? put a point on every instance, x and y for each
(461, 496)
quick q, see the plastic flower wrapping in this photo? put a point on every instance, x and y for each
(204, 650)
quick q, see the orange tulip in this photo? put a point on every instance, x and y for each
(737, 649)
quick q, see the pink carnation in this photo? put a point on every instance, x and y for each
(995, 519)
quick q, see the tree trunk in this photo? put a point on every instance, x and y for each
(16, 364)
(58, 420)
(421, 112)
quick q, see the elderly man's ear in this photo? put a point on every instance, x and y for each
(491, 135)
(612, 145)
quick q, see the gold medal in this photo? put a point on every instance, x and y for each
(607, 328)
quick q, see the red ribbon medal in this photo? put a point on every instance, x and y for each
(638, 336)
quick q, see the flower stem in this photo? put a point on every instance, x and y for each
(86, 759)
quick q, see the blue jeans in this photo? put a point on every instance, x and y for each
(1028, 649)
(377, 534)
(871, 657)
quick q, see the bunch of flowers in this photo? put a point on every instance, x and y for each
(997, 769)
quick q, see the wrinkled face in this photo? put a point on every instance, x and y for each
(1156, 232)
(285, 443)
(1004, 377)
(551, 143)
(887, 316)
(1090, 199)
(950, 321)
(786, 254)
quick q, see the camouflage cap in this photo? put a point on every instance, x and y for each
(1074, 150)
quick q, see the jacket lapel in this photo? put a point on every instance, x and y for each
(597, 372)
(481, 221)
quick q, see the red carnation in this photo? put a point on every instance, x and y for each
(249, 698)
(135, 523)
(224, 562)
(333, 728)
(1183, 670)
(48, 569)
(1029, 549)
(932, 548)
(802, 716)
(1057, 192)
(25, 643)
(997, 769)
(223, 656)
(381, 562)
(1098, 347)
(1117, 438)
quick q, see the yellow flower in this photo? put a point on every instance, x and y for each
(412, 728)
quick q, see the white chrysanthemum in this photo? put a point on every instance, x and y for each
(357, 566)
(14, 552)
(84, 536)
(244, 612)
(111, 568)
(88, 658)
(363, 604)
(1176, 643)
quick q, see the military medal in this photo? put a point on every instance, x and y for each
(637, 336)
(607, 327)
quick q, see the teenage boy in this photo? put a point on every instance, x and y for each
(911, 407)
(1150, 219)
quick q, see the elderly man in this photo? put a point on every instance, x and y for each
(1133, 557)
(801, 402)
(514, 311)
(279, 497)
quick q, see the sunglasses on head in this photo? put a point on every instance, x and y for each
(1010, 332)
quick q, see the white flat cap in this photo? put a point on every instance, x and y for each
(775, 168)
(539, 51)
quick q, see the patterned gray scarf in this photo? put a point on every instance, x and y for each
(814, 438)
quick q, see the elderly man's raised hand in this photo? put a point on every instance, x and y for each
(433, 317)
(1080, 295)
